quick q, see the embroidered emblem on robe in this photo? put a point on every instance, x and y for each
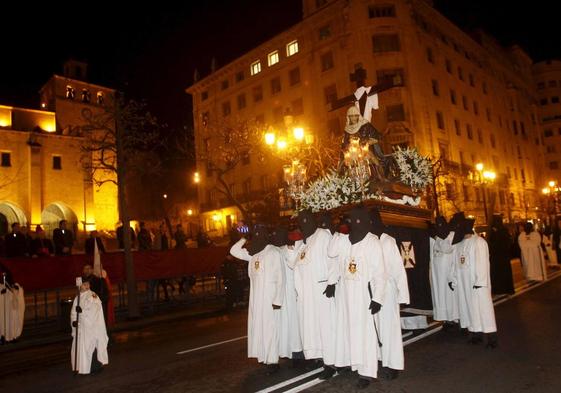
(352, 266)
(257, 264)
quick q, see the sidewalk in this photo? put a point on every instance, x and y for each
(50, 334)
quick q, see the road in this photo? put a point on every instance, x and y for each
(176, 357)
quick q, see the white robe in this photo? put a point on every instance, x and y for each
(12, 310)
(266, 288)
(444, 300)
(551, 253)
(471, 268)
(533, 262)
(92, 333)
(316, 312)
(340, 248)
(364, 265)
(388, 319)
(289, 330)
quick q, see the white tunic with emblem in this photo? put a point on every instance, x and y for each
(289, 330)
(363, 266)
(316, 312)
(266, 289)
(340, 248)
(388, 319)
(92, 334)
(444, 300)
(471, 268)
(533, 262)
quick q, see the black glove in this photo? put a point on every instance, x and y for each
(374, 307)
(275, 307)
(78, 309)
(476, 287)
(330, 290)
(450, 285)
(74, 323)
(3, 291)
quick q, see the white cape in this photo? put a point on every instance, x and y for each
(533, 262)
(289, 330)
(12, 310)
(444, 300)
(92, 333)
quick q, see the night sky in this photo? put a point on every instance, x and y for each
(151, 51)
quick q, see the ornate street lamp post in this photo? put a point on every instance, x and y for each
(482, 177)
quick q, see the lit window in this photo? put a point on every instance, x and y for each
(255, 67)
(100, 98)
(85, 95)
(70, 93)
(292, 48)
(273, 58)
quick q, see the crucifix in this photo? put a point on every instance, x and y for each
(363, 93)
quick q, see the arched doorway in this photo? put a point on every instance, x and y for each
(54, 213)
(10, 213)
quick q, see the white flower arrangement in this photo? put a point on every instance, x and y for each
(415, 170)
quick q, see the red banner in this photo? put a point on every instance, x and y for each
(61, 271)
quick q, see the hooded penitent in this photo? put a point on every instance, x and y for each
(441, 227)
(360, 224)
(325, 221)
(377, 227)
(259, 240)
(464, 227)
(279, 237)
(456, 219)
(307, 222)
(528, 228)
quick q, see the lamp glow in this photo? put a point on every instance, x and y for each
(270, 138)
(551, 183)
(281, 144)
(298, 133)
(479, 166)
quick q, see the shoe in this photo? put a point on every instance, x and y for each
(362, 383)
(388, 373)
(272, 368)
(327, 373)
(492, 341)
(475, 338)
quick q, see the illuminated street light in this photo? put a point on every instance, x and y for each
(551, 183)
(270, 138)
(479, 166)
(217, 217)
(489, 175)
(165, 196)
(281, 144)
(298, 133)
(190, 212)
(196, 177)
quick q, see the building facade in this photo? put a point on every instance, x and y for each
(463, 99)
(42, 175)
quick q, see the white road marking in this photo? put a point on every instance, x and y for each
(210, 345)
(290, 381)
(305, 386)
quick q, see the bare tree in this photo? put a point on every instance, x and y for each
(120, 141)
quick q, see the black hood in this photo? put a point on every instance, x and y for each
(456, 220)
(307, 223)
(279, 237)
(325, 221)
(377, 227)
(259, 240)
(497, 222)
(465, 227)
(528, 228)
(360, 224)
(442, 228)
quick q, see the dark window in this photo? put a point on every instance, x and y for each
(541, 85)
(330, 94)
(396, 75)
(294, 76)
(493, 142)
(240, 76)
(488, 113)
(453, 97)
(440, 120)
(435, 89)
(275, 85)
(471, 80)
(327, 61)
(381, 11)
(469, 131)
(522, 128)
(297, 107)
(555, 100)
(385, 43)
(543, 101)
(257, 94)
(241, 101)
(548, 133)
(225, 84)
(57, 162)
(204, 95)
(395, 112)
(479, 136)
(324, 32)
(448, 66)
(475, 108)
(460, 73)
(86, 97)
(6, 159)
(457, 126)
(465, 102)
(553, 165)
(515, 127)
(226, 108)
(430, 56)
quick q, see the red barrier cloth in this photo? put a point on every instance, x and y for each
(61, 271)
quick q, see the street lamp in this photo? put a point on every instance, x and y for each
(196, 178)
(552, 190)
(483, 177)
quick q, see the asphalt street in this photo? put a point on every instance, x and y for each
(209, 355)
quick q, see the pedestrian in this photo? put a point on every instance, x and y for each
(180, 238)
(144, 238)
(265, 297)
(15, 242)
(500, 248)
(121, 238)
(533, 262)
(63, 239)
(89, 245)
(161, 241)
(89, 333)
(232, 285)
(41, 246)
